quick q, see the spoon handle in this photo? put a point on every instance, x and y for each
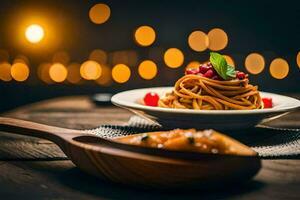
(52, 133)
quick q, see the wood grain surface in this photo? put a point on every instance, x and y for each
(32, 168)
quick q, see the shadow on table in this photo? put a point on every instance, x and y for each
(94, 186)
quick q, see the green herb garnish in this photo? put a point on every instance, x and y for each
(144, 137)
(219, 63)
(191, 139)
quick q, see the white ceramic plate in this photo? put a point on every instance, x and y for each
(188, 118)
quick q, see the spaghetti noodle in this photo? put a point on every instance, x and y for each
(201, 93)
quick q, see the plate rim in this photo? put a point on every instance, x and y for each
(130, 105)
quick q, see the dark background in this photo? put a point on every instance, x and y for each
(271, 28)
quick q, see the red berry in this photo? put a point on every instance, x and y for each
(192, 71)
(267, 102)
(204, 68)
(240, 75)
(209, 74)
(151, 99)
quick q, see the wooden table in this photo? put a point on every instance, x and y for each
(34, 168)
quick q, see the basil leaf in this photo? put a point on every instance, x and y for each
(219, 63)
(230, 73)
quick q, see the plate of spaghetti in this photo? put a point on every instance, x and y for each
(214, 95)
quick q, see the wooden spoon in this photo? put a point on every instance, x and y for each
(140, 166)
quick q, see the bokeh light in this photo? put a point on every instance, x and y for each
(58, 72)
(74, 73)
(218, 39)
(105, 79)
(173, 58)
(99, 13)
(61, 57)
(121, 73)
(34, 33)
(99, 56)
(144, 35)
(147, 69)
(255, 63)
(19, 71)
(43, 72)
(5, 74)
(229, 60)
(279, 68)
(21, 59)
(193, 64)
(90, 70)
(198, 41)
(298, 59)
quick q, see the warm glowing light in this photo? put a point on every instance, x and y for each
(5, 74)
(279, 68)
(61, 57)
(255, 63)
(173, 58)
(90, 70)
(105, 79)
(34, 33)
(298, 59)
(43, 72)
(198, 41)
(229, 60)
(74, 73)
(99, 56)
(193, 64)
(218, 39)
(99, 13)
(58, 72)
(144, 35)
(19, 71)
(121, 73)
(147, 69)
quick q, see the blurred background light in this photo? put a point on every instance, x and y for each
(58, 72)
(147, 69)
(121, 73)
(255, 63)
(74, 73)
(105, 79)
(193, 64)
(5, 69)
(198, 41)
(218, 39)
(99, 56)
(298, 59)
(99, 13)
(279, 68)
(19, 71)
(90, 70)
(144, 36)
(21, 59)
(173, 58)
(43, 72)
(61, 57)
(34, 33)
